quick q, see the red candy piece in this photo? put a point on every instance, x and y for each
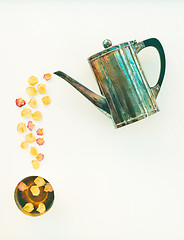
(39, 131)
(30, 125)
(40, 141)
(20, 102)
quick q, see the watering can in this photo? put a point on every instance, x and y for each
(126, 95)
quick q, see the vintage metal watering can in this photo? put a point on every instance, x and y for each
(127, 96)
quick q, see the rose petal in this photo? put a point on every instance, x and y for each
(40, 141)
(22, 186)
(48, 188)
(47, 76)
(20, 102)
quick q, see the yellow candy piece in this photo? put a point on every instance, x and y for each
(31, 91)
(33, 80)
(21, 127)
(35, 190)
(46, 100)
(33, 151)
(30, 138)
(26, 113)
(32, 103)
(41, 88)
(37, 116)
(41, 208)
(29, 207)
(39, 181)
(35, 164)
(24, 145)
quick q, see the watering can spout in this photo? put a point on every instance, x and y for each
(97, 100)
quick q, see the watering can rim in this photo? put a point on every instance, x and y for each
(110, 49)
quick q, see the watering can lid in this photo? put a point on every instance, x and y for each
(108, 48)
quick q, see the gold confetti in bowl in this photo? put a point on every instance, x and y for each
(34, 196)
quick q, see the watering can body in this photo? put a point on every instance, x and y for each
(126, 94)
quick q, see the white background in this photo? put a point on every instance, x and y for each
(109, 184)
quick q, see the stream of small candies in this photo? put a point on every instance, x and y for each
(27, 113)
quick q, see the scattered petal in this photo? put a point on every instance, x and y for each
(30, 125)
(20, 102)
(46, 100)
(48, 188)
(24, 145)
(39, 157)
(33, 80)
(39, 181)
(21, 127)
(22, 186)
(40, 141)
(47, 76)
(29, 207)
(30, 138)
(37, 116)
(31, 91)
(35, 190)
(26, 113)
(41, 88)
(35, 164)
(32, 103)
(39, 131)
(41, 208)
(33, 151)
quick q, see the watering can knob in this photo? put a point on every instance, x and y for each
(107, 43)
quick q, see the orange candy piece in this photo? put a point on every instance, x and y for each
(47, 76)
(46, 100)
(39, 157)
(37, 116)
(39, 131)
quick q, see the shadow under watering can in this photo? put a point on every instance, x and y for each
(126, 94)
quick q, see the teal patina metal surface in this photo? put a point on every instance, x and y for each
(127, 96)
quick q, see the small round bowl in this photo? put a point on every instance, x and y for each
(34, 196)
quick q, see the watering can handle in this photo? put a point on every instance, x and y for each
(153, 42)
